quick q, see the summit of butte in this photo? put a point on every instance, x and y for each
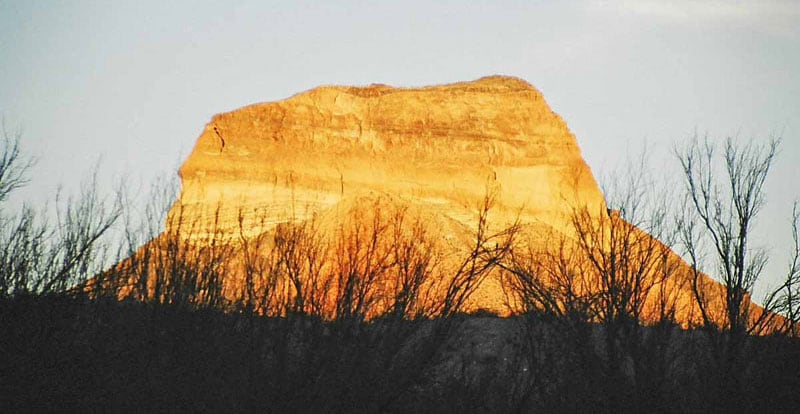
(439, 146)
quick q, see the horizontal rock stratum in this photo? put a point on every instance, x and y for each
(338, 154)
(437, 145)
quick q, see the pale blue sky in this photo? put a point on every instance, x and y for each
(135, 82)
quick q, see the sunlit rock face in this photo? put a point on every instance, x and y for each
(325, 153)
(440, 146)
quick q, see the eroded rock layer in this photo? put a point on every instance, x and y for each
(440, 146)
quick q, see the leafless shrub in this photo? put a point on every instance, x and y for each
(609, 270)
(722, 203)
(786, 297)
(39, 257)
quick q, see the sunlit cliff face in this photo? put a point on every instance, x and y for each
(439, 149)
(437, 146)
(333, 154)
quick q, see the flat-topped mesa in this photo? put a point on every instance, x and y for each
(405, 168)
(440, 146)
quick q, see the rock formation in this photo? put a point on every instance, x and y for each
(336, 151)
(439, 146)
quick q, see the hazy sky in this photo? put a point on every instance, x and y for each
(133, 83)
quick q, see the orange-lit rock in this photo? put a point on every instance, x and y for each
(437, 146)
(435, 149)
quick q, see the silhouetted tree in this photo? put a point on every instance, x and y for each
(13, 166)
(722, 203)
